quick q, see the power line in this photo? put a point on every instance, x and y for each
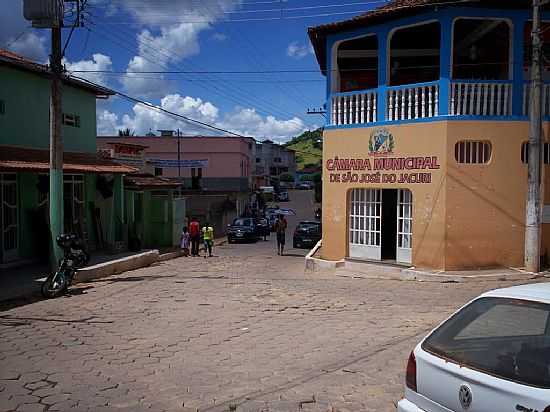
(161, 109)
(220, 91)
(184, 118)
(259, 19)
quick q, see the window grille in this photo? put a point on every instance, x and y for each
(72, 120)
(473, 152)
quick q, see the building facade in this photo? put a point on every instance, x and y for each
(272, 160)
(93, 186)
(215, 172)
(425, 149)
(154, 206)
(205, 162)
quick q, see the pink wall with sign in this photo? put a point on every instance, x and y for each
(226, 156)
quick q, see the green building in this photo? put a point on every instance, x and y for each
(93, 186)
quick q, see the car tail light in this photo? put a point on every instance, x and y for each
(411, 373)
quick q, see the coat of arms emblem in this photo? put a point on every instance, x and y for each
(381, 142)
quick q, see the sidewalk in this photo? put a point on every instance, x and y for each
(25, 281)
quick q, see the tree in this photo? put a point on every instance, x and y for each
(286, 177)
(126, 132)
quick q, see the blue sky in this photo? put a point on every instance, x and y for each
(128, 36)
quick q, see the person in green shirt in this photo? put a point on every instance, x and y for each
(208, 239)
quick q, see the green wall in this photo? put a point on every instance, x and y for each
(26, 98)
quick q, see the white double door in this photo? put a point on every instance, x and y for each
(365, 224)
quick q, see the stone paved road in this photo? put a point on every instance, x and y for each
(245, 329)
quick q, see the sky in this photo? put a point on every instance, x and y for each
(211, 41)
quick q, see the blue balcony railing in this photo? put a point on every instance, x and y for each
(545, 99)
(466, 98)
(354, 107)
(415, 101)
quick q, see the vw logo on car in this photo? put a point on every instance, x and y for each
(465, 396)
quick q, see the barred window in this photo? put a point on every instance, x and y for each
(72, 120)
(525, 152)
(473, 152)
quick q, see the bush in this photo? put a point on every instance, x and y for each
(286, 177)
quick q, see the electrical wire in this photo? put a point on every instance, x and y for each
(235, 96)
(183, 118)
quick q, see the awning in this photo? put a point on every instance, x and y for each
(14, 158)
(150, 182)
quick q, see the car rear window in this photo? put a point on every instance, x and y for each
(242, 222)
(311, 227)
(507, 338)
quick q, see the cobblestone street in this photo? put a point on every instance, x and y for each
(245, 329)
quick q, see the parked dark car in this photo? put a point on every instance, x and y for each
(282, 197)
(263, 228)
(243, 229)
(307, 234)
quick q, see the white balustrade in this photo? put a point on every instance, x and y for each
(545, 109)
(356, 108)
(413, 102)
(480, 99)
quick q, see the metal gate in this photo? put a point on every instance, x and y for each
(9, 222)
(365, 224)
(404, 226)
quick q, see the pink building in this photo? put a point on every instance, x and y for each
(210, 163)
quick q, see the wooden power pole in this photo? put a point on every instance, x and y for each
(56, 140)
(533, 212)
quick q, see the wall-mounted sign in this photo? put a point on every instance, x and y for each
(187, 163)
(375, 169)
(381, 142)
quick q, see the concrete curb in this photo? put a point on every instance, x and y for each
(117, 266)
(371, 270)
(314, 265)
(171, 255)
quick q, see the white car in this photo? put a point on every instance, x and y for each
(493, 355)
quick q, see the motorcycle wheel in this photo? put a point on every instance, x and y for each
(54, 285)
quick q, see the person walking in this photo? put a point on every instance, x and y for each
(208, 239)
(195, 236)
(280, 228)
(184, 241)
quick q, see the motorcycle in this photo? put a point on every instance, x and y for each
(74, 257)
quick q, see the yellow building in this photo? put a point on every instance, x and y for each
(425, 148)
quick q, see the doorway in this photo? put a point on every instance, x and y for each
(389, 224)
(380, 224)
(9, 222)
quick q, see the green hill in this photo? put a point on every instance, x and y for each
(308, 147)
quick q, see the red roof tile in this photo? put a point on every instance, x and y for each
(392, 10)
(14, 158)
(15, 60)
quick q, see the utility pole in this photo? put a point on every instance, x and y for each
(179, 155)
(56, 140)
(48, 14)
(533, 212)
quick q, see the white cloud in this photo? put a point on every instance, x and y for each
(298, 50)
(172, 34)
(248, 122)
(107, 123)
(30, 46)
(17, 35)
(245, 121)
(99, 62)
